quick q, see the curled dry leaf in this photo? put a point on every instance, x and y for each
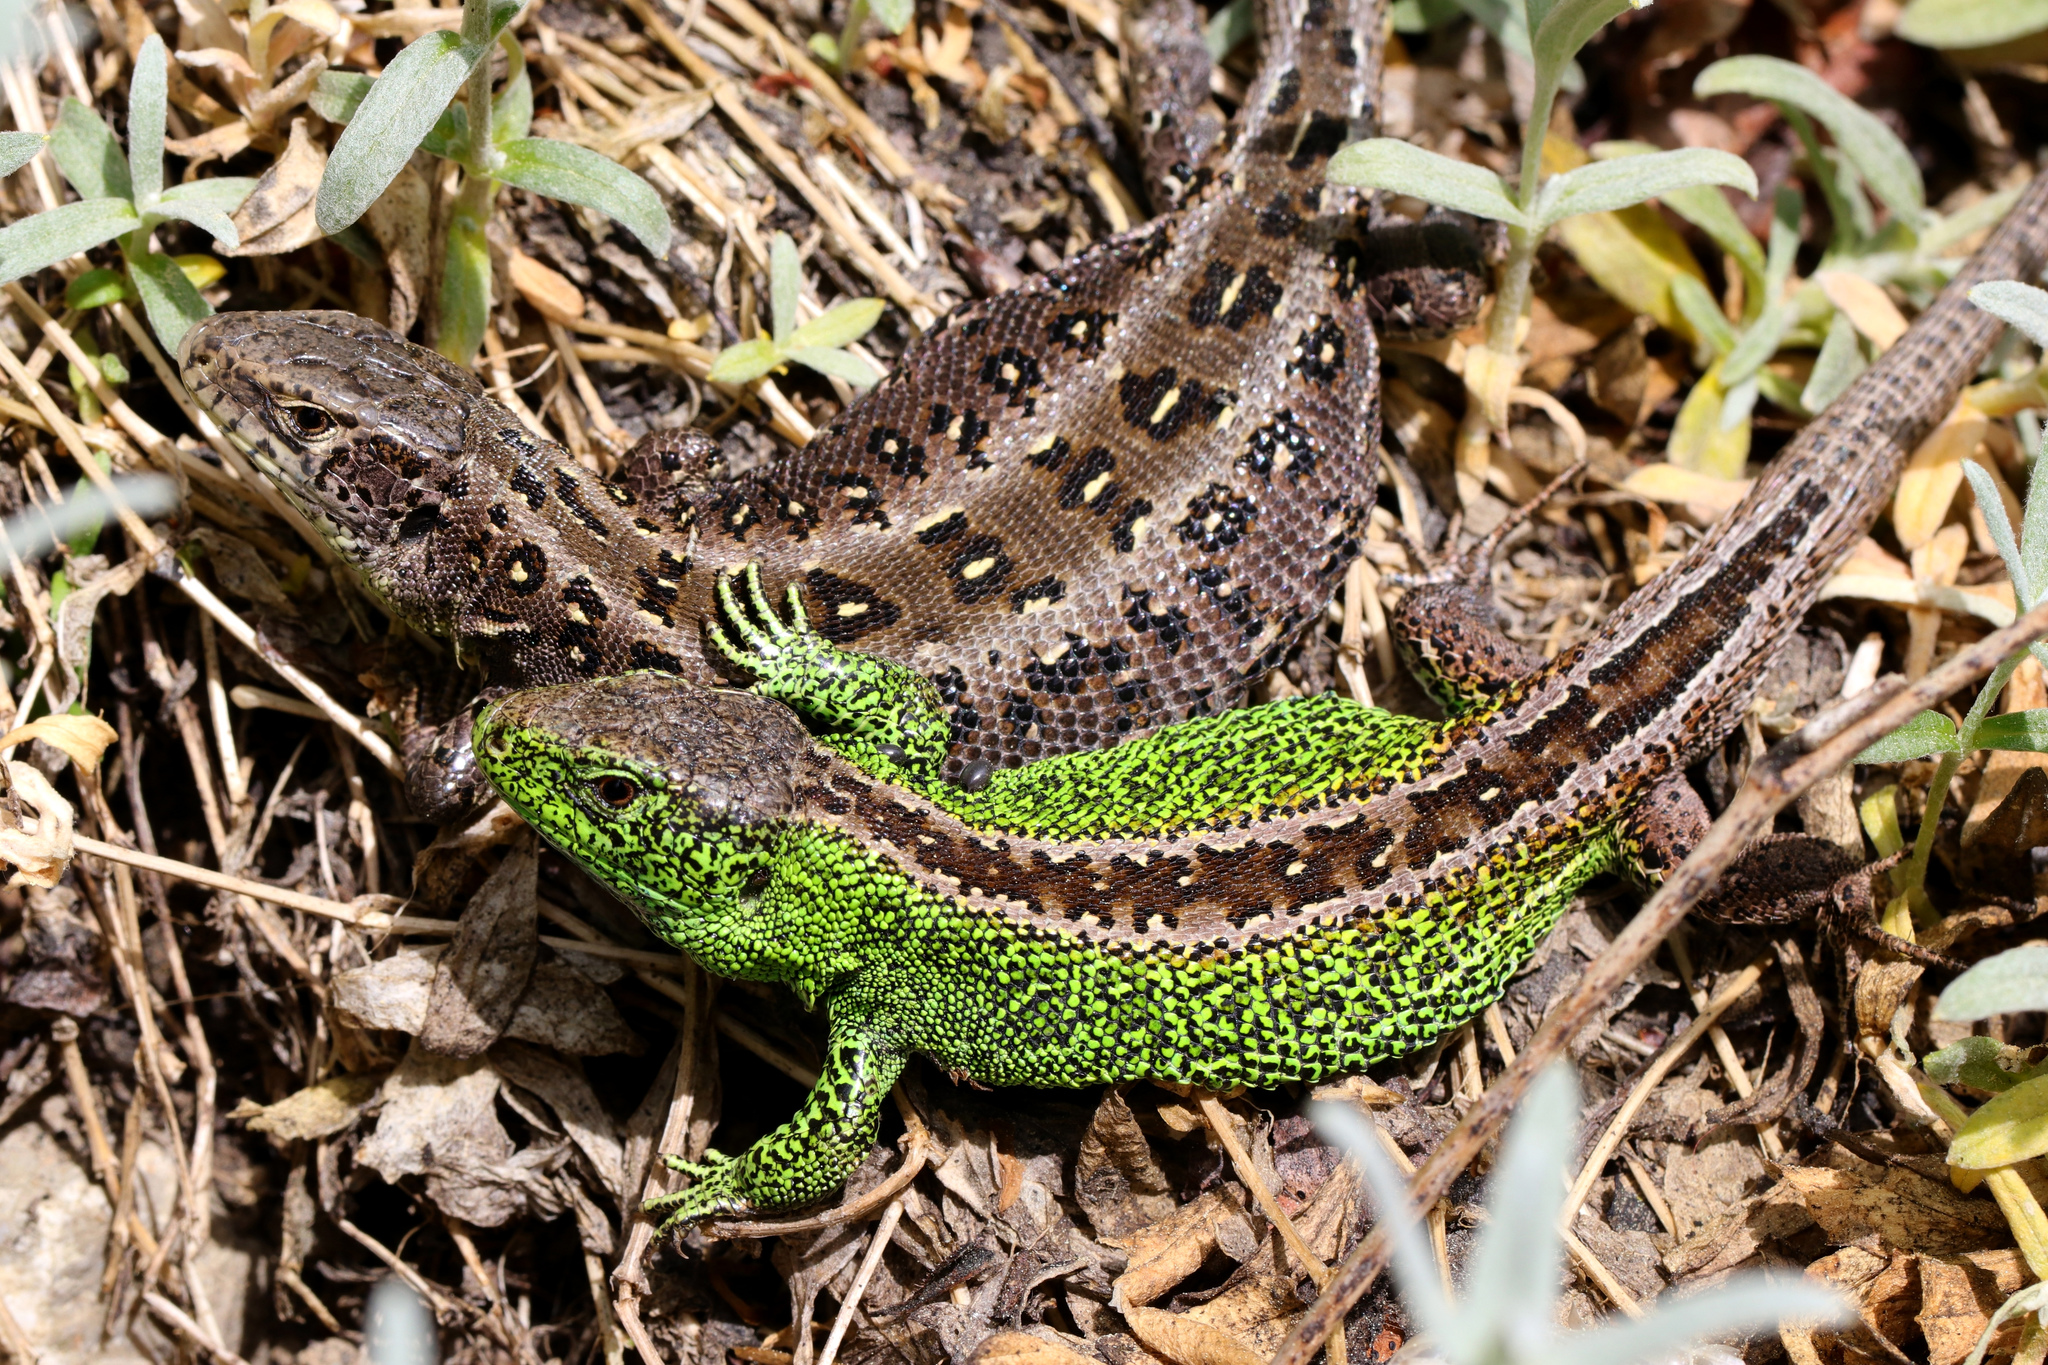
(1865, 304)
(1933, 475)
(1184, 1341)
(317, 1111)
(82, 738)
(278, 214)
(561, 1008)
(40, 848)
(548, 290)
(1021, 1348)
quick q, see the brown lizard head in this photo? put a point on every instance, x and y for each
(360, 429)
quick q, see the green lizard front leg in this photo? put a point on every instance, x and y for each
(806, 1158)
(887, 708)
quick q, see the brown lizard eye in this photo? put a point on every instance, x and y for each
(616, 792)
(312, 421)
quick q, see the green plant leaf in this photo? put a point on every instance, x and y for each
(146, 95)
(1970, 23)
(1711, 434)
(1836, 367)
(2009, 1127)
(785, 278)
(2020, 731)
(2017, 305)
(1862, 138)
(1385, 163)
(46, 238)
(88, 154)
(1229, 26)
(18, 149)
(1706, 208)
(1698, 308)
(207, 204)
(2032, 1299)
(1930, 732)
(1981, 1063)
(838, 364)
(1745, 1302)
(1992, 507)
(838, 326)
(745, 362)
(1947, 230)
(577, 175)
(465, 291)
(1757, 344)
(1601, 186)
(2034, 536)
(170, 300)
(96, 288)
(391, 120)
(512, 110)
(1557, 30)
(336, 95)
(2015, 980)
(894, 14)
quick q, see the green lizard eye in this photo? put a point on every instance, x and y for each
(616, 792)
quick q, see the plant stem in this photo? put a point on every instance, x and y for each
(849, 36)
(476, 30)
(1910, 878)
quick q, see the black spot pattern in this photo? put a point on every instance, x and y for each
(1233, 298)
(526, 568)
(1319, 353)
(851, 609)
(1013, 373)
(978, 569)
(1282, 443)
(1045, 591)
(1089, 477)
(1124, 535)
(1217, 519)
(1160, 404)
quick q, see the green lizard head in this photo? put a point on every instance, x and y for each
(672, 794)
(361, 430)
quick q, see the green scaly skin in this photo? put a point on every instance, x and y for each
(711, 812)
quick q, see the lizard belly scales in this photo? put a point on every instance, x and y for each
(1104, 501)
(1275, 893)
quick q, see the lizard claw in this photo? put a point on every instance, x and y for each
(761, 634)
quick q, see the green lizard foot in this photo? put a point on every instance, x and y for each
(714, 1191)
(848, 695)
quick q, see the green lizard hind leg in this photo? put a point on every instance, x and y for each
(805, 1159)
(858, 696)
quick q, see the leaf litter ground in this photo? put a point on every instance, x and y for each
(228, 1109)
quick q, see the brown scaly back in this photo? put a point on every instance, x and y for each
(1104, 501)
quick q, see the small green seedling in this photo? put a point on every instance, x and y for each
(123, 199)
(815, 345)
(1532, 204)
(841, 53)
(1513, 1278)
(408, 107)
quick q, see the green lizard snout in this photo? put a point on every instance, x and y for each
(669, 791)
